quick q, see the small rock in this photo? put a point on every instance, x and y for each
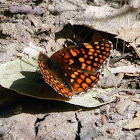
(88, 132)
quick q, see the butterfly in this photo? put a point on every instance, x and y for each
(74, 69)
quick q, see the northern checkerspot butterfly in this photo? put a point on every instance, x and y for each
(74, 69)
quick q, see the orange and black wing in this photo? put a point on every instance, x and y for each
(80, 81)
(80, 64)
(51, 77)
(86, 57)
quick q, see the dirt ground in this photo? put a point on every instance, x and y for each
(30, 26)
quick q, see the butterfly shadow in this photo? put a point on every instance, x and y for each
(35, 96)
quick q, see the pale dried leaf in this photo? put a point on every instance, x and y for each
(125, 69)
(135, 123)
(129, 34)
(105, 18)
(33, 50)
(122, 105)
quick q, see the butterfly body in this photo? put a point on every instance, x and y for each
(74, 69)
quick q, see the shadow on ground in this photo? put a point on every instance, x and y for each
(12, 103)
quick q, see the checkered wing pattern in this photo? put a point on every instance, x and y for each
(74, 69)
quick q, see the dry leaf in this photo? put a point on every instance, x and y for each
(131, 33)
(126, 69)
(105, 18)
(134, 123)
(33, 50)
(122, 105)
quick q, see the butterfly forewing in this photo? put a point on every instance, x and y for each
(88, 57)
(80, 81)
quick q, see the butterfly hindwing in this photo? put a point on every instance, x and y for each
(51, 78)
